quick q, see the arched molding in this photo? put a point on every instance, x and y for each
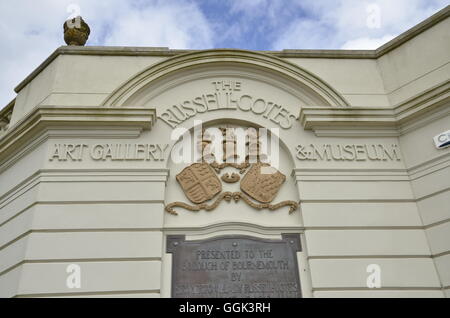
(134, 92)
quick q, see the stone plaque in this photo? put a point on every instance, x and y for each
(235, 267)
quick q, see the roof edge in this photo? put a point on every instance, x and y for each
(287, 53)
(8, 108)
(414, 31)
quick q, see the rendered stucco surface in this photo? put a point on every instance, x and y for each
(390, 207)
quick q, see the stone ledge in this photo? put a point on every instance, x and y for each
(44, 118)
(376, 121)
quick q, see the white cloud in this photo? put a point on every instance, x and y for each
(31, 30)
(175, 26)
(349, 23)
(306, 34)
(367, 43)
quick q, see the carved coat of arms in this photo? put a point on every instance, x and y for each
(262, 186)
(201, 183)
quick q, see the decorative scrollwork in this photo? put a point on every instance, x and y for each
(233, 178)
(240, 166)
(228, 196)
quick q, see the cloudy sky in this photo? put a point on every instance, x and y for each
(30, 30)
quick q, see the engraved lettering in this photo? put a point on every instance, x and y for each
(348, 152)
(235, 267)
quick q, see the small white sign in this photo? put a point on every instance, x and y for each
(442, 140)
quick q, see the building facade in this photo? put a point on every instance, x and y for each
(96, 194)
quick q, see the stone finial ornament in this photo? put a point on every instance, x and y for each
(76, 31)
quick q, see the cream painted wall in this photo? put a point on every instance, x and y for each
(78, 80)
(108, 216)
(428, 52)
(386, 81)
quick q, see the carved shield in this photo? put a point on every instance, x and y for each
(263, 185)
(199, 182)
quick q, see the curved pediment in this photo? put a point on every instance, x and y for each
(232, 65)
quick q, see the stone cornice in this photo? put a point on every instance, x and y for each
(45, 118)
(5, 116)
(377, 121)
(166, 52)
